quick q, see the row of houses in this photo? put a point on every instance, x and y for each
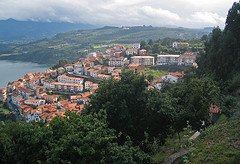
(186, 59)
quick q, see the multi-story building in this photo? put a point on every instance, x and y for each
(131, 51)
(187, 59)
(180, 45)
(167, 59)
(117, 62)
(143, 60)
(68, 87)
(136, 46)
(68, 79)
(34, 102)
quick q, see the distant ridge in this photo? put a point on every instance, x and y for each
(71, 45)
(31, 30)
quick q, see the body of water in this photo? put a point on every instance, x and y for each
(12, 71)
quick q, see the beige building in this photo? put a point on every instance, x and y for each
(143, 60)
(68, 79)
(167, 59)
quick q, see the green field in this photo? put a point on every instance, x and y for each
(156, 74)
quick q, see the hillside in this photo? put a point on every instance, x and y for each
(31, 30)
(71, 45)
(219, 143)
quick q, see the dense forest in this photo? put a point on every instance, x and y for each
(127, 123)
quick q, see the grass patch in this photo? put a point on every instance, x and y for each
(220, 143)
(156, 74)
(5, 55)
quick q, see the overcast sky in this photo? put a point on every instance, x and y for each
(184, 13)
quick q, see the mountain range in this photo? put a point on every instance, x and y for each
(32, 30)
(49, 41)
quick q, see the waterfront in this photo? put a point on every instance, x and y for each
(13, 70)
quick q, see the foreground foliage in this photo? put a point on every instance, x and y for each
(70, 139)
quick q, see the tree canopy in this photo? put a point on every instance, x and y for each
(71, 139)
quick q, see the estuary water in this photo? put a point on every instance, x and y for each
(13, 70)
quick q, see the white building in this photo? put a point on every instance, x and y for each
(167, 59)
(78, 70)
(72, 80)
(34, 102)
(68, 87)
(117, 62)
(136, 46)
(180, 45)
(69, 68)
(143, 60)
(169, 79)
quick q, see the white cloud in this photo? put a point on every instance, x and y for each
(208, 17)
(187, 13)
(160, 13)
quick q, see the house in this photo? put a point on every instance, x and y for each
(25, 92)
(169, 79)
(103, 76)
(177, 74)
(119, 48)
(110, 69)
(93, 72)
(187, 59)
(118, 54)
(167, 59)
(51, 98)
(143, 52)
(47, 84)
(60, 70)
(214, 112)
(78, 70)
(78, 64)
(53, 73)
(136, 46)
(17, 100)
(34, 102)
(3, 94)
(117, 62)
(131, 51)
(83, 98)
(137, 68)
(30, 114)
(31, 83)
(143, 60)
(98, 67)
(87, 85)
(180, 45)
(69, 67)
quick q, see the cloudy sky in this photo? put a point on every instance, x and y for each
(185, 13)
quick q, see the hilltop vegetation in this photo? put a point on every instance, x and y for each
(72, 45)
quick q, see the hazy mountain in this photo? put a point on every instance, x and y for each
(71, 45)
(29, 30)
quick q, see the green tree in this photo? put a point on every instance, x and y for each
(132, 109)
(75, 138)
(193, 99)
(143, 45)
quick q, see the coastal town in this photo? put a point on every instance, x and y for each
(41, 96)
